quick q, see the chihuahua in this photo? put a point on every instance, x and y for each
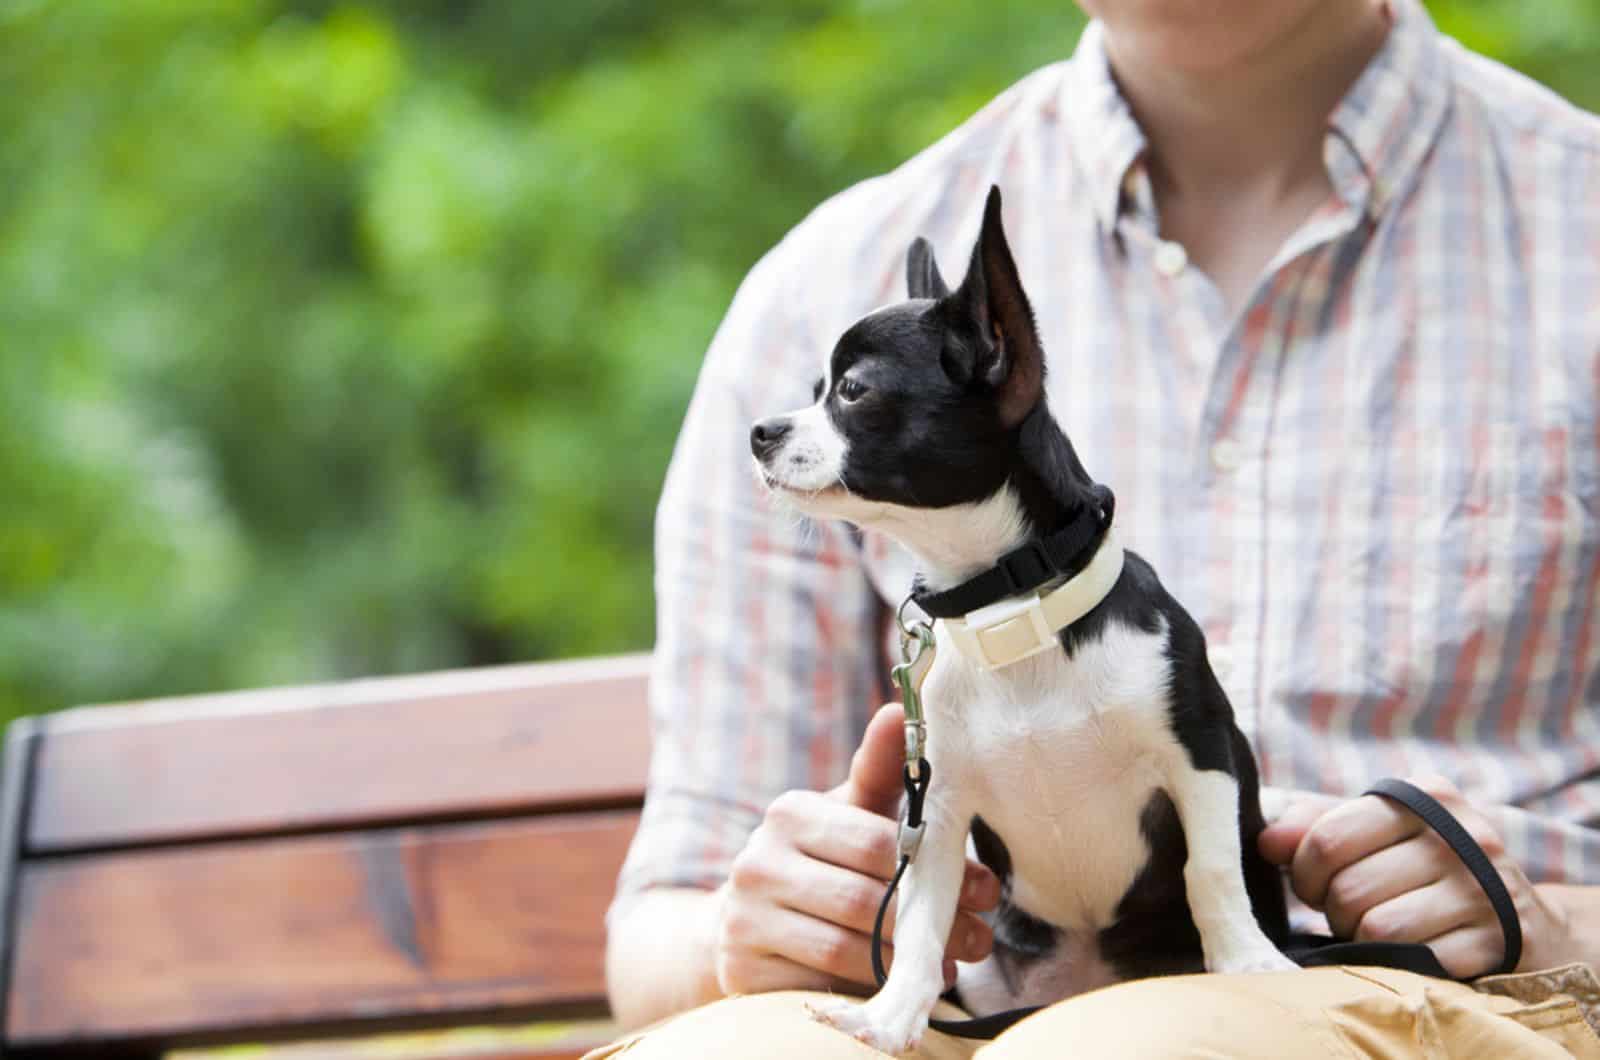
(1075, 730)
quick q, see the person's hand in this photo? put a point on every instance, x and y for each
(797, 910)
(1381, 875)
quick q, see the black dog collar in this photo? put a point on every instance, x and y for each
(1029, 566)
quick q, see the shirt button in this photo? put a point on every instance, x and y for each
(1221, 663)
(1171, 258)
(1226, 455)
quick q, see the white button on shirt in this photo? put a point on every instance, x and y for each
(1226, 455)
(1221, 657)
(1171, 258)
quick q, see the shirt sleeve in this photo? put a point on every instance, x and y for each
(765, 665)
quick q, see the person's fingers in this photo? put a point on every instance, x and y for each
(1470, 951)
(1379, 877)
(837, 895)
(1424, 913)
(851, 900)
(875, 781)
(805, 890)
(1281, 838)
(1341, 837)
(856, 839)
(836, 832)
(807, 941)
(980, 888)
(751, 972)
(826, 947)
(971, 938)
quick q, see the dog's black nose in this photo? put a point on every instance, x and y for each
(767, 435)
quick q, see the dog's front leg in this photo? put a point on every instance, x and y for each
(895, 1018)
(1207, 801)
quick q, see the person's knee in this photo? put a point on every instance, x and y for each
(775, 1026)
(1156, 1019)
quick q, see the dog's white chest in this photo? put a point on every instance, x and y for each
(1062, 757)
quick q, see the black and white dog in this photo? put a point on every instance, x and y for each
(1103, 779)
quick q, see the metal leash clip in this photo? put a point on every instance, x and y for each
(916, 643)
(916, 640)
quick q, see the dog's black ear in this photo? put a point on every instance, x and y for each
(1009, 357)
(922, 272)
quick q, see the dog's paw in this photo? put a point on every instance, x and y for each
(894, 1033)
(1252, 961)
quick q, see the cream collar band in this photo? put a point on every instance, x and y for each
(1013, 629)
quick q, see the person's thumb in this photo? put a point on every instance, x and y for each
(1280, 839)
(874, 782)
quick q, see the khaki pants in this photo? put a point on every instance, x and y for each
(1321, 1012)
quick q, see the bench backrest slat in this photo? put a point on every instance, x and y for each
(372, 752)
(356, 857)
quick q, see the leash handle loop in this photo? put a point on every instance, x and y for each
(1456, 837)
(916, 782)
(917, 777)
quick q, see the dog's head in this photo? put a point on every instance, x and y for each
(919, 403)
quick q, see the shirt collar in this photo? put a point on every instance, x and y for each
(1377, 135)
(1104, 139)
(1383, 128)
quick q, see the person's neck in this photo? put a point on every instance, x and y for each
(1259, 124)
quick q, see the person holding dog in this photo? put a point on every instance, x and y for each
(1318, 290)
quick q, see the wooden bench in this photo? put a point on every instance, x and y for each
(304, 862)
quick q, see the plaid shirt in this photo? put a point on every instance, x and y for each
(1376, 485)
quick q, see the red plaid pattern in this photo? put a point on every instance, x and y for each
(1377, 486)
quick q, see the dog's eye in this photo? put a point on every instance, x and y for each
(850, 391)
(816, 390)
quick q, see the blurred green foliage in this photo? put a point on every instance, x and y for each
(341, 339)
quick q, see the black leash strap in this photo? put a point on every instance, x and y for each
(1321, 951)
(878, 971)
(1472, 856)
(1030, 565)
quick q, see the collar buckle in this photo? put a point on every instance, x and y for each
(1016, 628)
(1023, 625)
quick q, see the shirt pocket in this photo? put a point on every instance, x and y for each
(1465, 563)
